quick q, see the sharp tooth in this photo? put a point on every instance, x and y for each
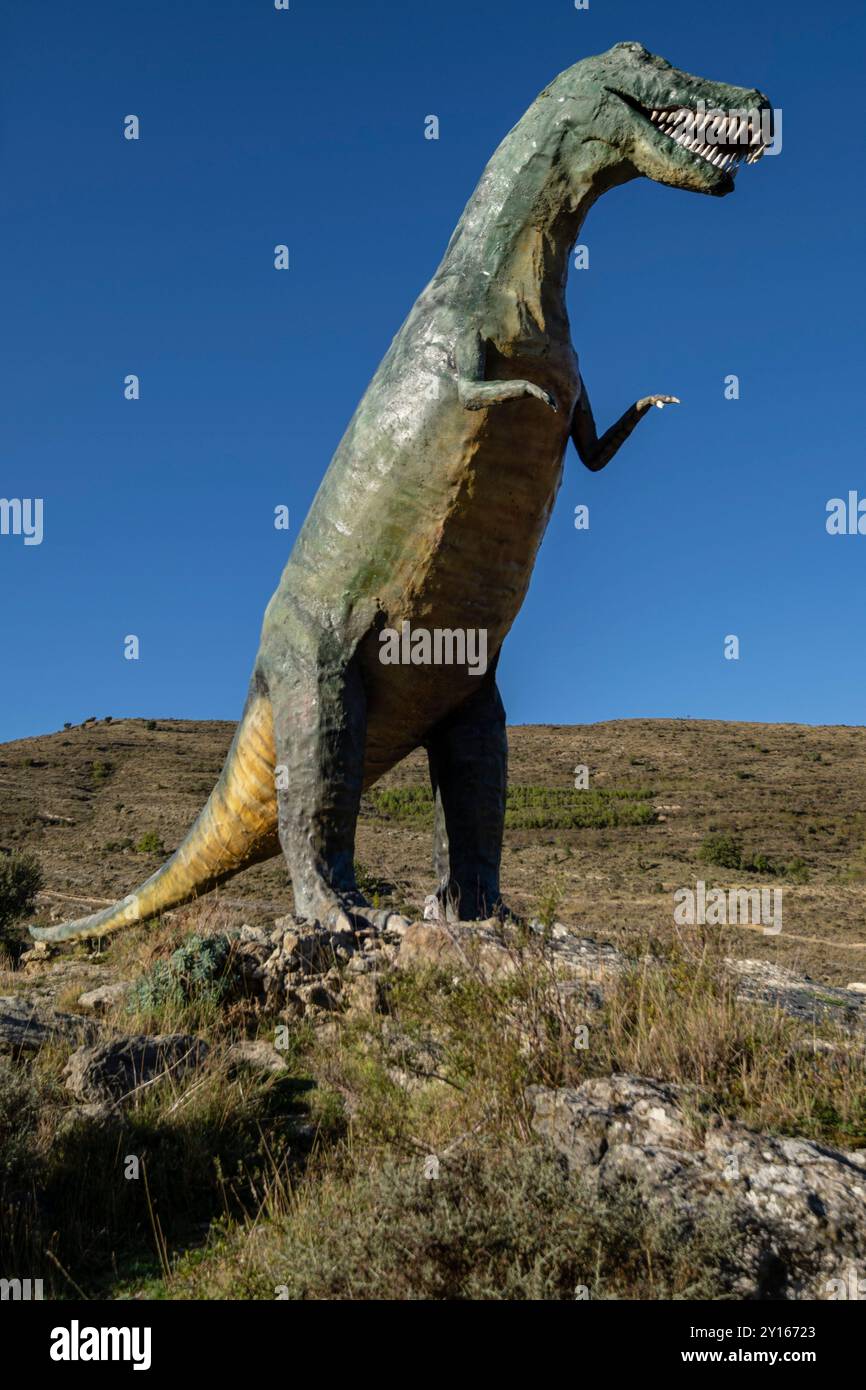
(718, 159)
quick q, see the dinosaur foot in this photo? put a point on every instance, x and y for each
(442, 906)
(353, 913)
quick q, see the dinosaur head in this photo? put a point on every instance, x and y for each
(665, 124)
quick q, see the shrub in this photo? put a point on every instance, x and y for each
(198, 972)
(150, 843)
(724, 850)
(797, 871)
(20, 881)
(495, 1224)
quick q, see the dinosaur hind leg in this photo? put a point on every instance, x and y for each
(468, 757)
(320, 731)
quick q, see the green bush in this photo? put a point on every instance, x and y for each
(197, 972)
(724, 850)
(20, 881)
(150, 843)
(727, 852)
(797, 871)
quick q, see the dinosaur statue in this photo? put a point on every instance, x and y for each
(433, 509)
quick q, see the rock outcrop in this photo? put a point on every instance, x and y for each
(800, 1207)
(111, 1072)
(27, 1024)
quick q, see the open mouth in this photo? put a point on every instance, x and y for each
(722, 140)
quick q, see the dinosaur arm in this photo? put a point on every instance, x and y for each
(595, 452)
(474, 392)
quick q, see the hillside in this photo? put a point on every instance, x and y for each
(613, 1106)
(93, 800)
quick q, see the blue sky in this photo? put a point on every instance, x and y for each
(260, 127)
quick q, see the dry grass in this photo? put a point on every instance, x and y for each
(230, 1205)
(444, 1073)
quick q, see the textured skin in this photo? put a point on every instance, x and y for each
(432, 511)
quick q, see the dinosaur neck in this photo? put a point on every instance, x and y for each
(518, 229)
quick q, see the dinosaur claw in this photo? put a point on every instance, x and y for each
(337, 919)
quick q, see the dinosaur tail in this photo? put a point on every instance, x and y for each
(237, 828)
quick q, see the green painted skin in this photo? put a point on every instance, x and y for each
(432, 512)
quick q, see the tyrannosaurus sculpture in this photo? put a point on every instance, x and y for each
(434, 506)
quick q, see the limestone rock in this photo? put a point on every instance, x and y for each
(105, 997)
(495, 950)
(26, 1025)
(113, 1071)
(298, 966)
(257, 1055)
(801, 1207)
(365, 994)
(766, 983)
